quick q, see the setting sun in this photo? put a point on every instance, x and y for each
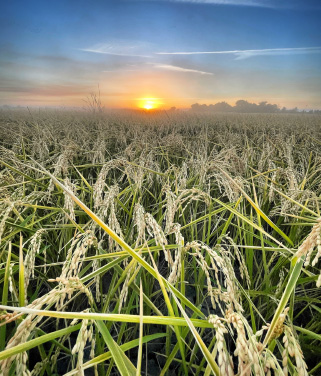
(149, 103)
(148, 106)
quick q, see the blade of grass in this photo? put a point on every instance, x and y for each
(157, 320)
(22, 174)
(126, 346)
(284, 299)
(22, 297)
(245, 219)
(257, 209)
(5, 296)
(198, 339)
(124, 365)
(37, 341)
(172, 314)
(141, 314)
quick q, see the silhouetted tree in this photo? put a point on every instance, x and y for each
(221, 107)
(240, 106)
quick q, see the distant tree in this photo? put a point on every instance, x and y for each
(195, 107)
(199, 107)
(221, 107)
(245, 107)
(267, 107)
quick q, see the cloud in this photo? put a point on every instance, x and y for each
(244, 54)
(119, 70)
(292, 4)
(120, 48)
(253, 3)
(147, 65)
(179, 69)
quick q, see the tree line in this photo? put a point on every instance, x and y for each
(246, 107)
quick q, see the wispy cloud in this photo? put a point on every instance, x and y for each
(179, 69)
(149, 65)
(253, 3)
(293, 4)
(119, 70)
(120, 48)
(244, 54)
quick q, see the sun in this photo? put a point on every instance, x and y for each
(148, 106)
(149, 103)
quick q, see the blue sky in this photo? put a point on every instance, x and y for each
(180, 52)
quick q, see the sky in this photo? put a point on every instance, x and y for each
(172, 53)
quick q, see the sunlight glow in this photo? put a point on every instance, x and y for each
(148, 106)
(149, 103)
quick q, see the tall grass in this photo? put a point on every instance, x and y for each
(158, 245)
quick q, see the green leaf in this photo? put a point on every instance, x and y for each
(5, 296)
(210, 360)
(37, 341)
(113, 317)
(126, 346)
(124, 365)
(257, 209)
(284, 299)
(22, 297)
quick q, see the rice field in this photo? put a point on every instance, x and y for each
(159, 243)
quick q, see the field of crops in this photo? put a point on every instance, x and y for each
(160, 243)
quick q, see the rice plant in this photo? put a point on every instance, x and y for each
(157, 244)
